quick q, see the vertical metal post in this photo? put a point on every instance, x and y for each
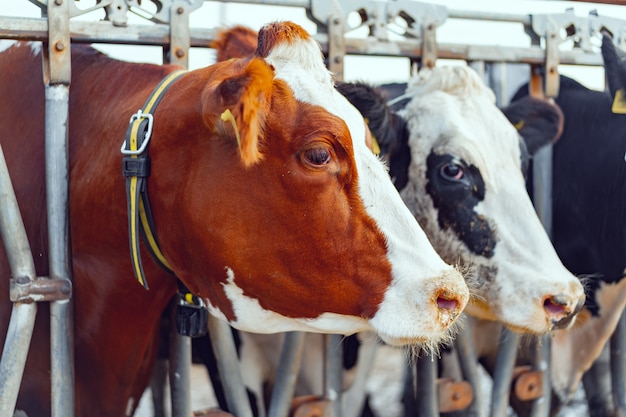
(179, 368)
(179, 34)
(287, 374)
(618, 366)
(542, 361)
(333, 373)
(23, 315)
(225, 350)
(542, 200)
(425, 374)
(353, 398)
(177, 52)
(57, 74)
(336, 46)
(464, 346)
(503, 373)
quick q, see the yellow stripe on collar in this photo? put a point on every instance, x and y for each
(136, 168)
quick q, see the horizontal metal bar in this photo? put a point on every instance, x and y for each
(36, 29)
(524, 19)
(490, 53)
(158, 34)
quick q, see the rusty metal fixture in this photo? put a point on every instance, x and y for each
(309, 406)
(454, 395)
(26, 290)
(527, 383)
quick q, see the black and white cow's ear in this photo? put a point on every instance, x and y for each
(537, 120)
(615, 71)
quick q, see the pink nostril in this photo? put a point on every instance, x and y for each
(556, 306)
(447, 303)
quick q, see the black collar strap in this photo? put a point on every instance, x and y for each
(191, 313)
(136, 169)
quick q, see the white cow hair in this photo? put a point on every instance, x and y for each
(35, 46)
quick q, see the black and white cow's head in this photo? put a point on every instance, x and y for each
(465, 185)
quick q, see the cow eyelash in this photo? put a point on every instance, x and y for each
(317, 156)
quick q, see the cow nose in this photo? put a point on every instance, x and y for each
(561, 309)
(445, 303)
(450, 302)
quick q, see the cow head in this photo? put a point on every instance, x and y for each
(466, 187)
(302, 227)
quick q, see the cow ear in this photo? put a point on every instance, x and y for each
(538, 121)
(615, 70)
(237, 106)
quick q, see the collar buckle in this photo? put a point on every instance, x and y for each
(140, 117)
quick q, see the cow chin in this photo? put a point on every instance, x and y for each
(480, 310)
(428, 344)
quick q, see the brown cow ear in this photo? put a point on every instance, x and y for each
(238, 105)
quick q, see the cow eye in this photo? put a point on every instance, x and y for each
(451, 171)
(317, 156)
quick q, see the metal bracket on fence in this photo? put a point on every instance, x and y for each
(552, 79)
(382, 18)
(178, 50)
(165, 9)
(26, 290)
(429, 44)
(336, 46)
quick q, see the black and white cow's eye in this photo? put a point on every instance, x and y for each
(317, 156)
(452, 171)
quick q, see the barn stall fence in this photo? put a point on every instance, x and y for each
(400, 28)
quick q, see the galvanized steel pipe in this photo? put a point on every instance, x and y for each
(287, 374)
(23, 316)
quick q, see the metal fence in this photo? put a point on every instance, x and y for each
(401, 28)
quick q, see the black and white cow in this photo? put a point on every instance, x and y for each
(589, 214)
(465, 185)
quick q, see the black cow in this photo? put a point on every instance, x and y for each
(589, 217)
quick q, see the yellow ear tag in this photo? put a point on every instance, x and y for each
(375, 145)
(519, 125)
(227, 116)
(619, 102)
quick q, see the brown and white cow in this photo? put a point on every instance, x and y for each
(266, 202)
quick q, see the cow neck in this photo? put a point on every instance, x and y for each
(136, 169)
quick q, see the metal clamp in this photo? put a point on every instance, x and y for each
(137, 116)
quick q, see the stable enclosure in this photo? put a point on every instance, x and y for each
(377, 29)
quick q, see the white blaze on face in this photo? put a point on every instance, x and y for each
(463, 123)
(409, 306)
